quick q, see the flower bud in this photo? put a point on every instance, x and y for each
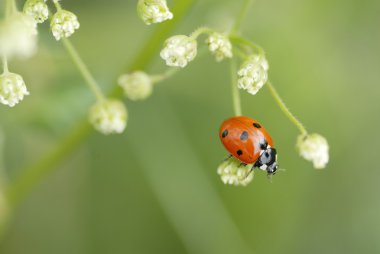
(253, 74)
(37, 9)
(109, 116)
(136, 85)
(179, 50)
(314, 148)
(153, 11)
(12, 89)
(220, 46)
(63, 24)
(233, 172)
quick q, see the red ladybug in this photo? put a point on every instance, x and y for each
(249, 142)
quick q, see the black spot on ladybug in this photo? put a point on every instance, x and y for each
(244, 136)
(224, 133)
(239, 152)
(257, 125)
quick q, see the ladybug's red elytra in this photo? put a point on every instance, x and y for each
(249, 142)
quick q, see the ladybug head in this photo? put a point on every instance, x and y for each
(268, 161)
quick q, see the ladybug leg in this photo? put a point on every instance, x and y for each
(249, 172)
(242, 164)
(228, 157)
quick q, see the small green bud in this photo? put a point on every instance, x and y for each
(136, 85)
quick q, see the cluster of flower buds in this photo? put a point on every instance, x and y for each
(179, 50)
(253, 74)
(12, 88)
(37, 9)
(137, 85)
(220, 46)
(314, 148)
(109, 116)
(233, 172)
(153, 11)
(18, 38)
(63, 23)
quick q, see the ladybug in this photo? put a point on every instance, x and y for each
(249, 142)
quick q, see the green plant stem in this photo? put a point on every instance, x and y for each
(32, 175)
(244, 42)
(234, 89)
(233, 66)
(35, 172)
(199, 31)
(285, 109)
(91, 82)
(240, 18)
(57, 5)
(5, 65)
(161, 77)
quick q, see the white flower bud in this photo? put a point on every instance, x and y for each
(253, 74)
(109, 116)
(18, 36)
(136, 85)
(12, 89)
(63, 24)
(315, 148)
(232, 172)
(220, 46)
(37, 9)
(179, 50)
(153, 11)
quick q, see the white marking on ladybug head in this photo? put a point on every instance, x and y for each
(264, 167)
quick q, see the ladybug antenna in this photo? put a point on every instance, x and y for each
(270, 177)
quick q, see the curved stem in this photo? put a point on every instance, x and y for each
(91, 82)
(160, 77)
(199, 31)
(285, 109)
(242, 14)
(242, 41)
(234, 89)
(5, 65)
(10, 7)
(57, 5)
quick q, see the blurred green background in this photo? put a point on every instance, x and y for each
(154, 189)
